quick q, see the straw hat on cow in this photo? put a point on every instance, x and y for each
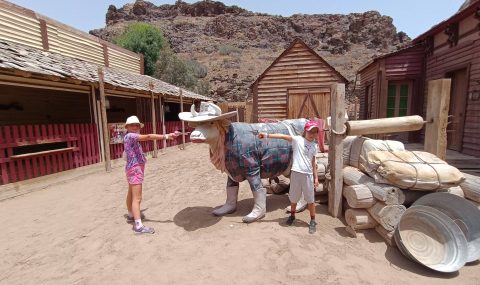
(208, 112)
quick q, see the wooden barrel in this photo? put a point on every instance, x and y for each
(429, 237)
(463, 213)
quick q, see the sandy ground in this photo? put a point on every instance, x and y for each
(76, 233)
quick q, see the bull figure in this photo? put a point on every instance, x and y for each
(236, 150)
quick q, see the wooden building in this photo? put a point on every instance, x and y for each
(448, 50)
(59, 112)
(393, 85)
(295, 85)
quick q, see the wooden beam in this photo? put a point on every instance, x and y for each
(335, 157)
(96, 119)
(438, 103)
(183, 122)
(106, 138)
(154, 119)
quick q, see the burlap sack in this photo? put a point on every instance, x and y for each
(415, 170)
(361, 146)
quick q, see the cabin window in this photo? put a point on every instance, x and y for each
(398, 99)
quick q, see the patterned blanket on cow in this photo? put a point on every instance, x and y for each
(247, 155)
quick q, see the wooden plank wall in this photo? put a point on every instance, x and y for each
(368, 76)
(20, 29)
(82, 149)
(407, 64)
(66, 43)
(298, 67)
(24, 26)
(464, 55)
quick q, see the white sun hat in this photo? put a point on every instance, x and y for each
(208, 112)
(133, 120)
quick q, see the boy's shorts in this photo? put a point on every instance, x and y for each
(301, 183)
(135, 174)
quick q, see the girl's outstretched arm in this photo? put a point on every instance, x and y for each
(151, 137)
(275, 136)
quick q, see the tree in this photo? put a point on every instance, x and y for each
(145, 39)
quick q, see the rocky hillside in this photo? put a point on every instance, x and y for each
(237, 45)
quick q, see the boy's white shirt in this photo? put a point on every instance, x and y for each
(303, 153)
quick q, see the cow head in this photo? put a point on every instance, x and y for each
(209, 132)
(212, 133)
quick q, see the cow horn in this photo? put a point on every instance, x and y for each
(192, 110)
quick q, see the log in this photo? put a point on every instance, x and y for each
(384, 126)
(386, 235)
(358, 196)
(387, 215)
(359, 219)
(471, 187)
(388, 194)
(457, 190)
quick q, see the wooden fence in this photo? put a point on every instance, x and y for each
(29, 151)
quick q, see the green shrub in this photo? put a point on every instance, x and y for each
(145, 39)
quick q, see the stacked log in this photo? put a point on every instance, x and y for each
(358, 196)
(387, 215)
(359, 219)
(471, 187)
(388, 194)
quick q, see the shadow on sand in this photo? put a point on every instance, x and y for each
(194, 218)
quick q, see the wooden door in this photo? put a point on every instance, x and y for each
(313, 103)
(458, 101)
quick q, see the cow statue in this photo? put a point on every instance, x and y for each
(236, 149)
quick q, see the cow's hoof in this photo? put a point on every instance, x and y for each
(224, 210)
(252, 218)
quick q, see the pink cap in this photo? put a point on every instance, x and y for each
(310, 125)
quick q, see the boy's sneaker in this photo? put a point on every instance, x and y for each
(144, 230)
(312, 227)
(290, 220)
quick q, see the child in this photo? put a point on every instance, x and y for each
(304, 176)
(135, 170)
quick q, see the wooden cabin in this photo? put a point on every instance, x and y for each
(61, 110)
(295, 85)
(395, 84)
(452, 50)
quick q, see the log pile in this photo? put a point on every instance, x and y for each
(377, 206)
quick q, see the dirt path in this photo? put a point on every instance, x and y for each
(75, 233)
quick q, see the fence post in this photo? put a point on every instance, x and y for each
(154, 119)
(438, 103)
(183, 122)
(335, 153)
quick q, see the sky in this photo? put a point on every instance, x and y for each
(411, 16)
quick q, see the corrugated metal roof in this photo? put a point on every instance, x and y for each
(19, 57)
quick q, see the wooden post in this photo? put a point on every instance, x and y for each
(335, 157)
(438, 103)
(154, 119)
(96, 119)
(238, 115)
(106, 138)
(100, 132)
(162, 115)
(183, 122)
